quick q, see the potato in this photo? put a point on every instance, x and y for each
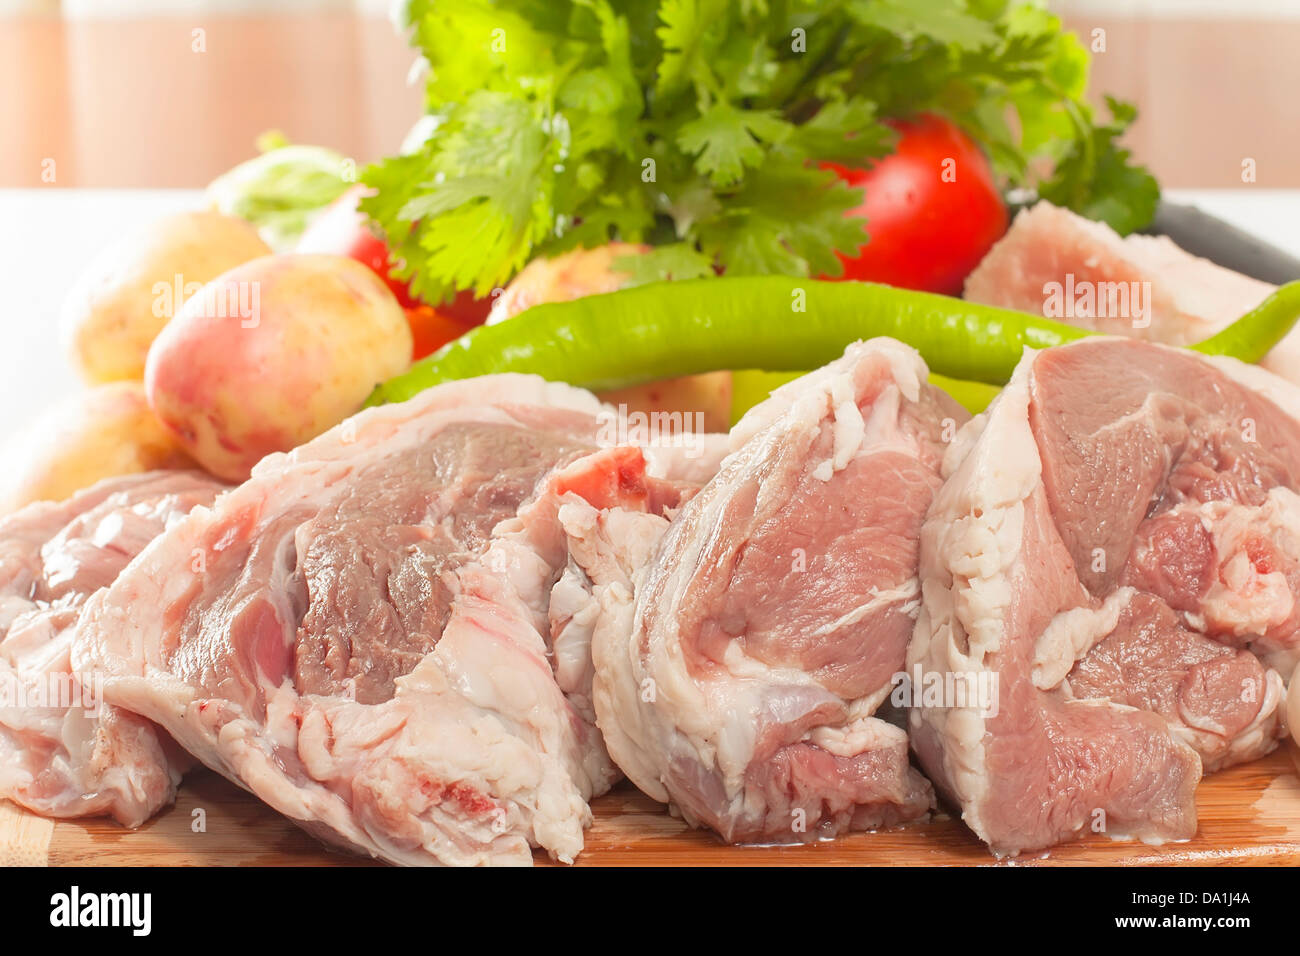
(271, 354)
(707, 396)
(131, 290)
(100, 433)
(569, 276)
(585, 272)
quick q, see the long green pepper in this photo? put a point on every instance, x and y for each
(776, 323)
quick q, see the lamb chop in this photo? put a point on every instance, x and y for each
(1116, 543)
(361, 634)
(1057, 263)
(63, 752)
(743, 649)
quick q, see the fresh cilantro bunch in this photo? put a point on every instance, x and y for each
(697, 126)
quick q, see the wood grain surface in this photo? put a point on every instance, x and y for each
(1248, 815)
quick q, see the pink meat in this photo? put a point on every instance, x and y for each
(361, 633)
(65, 753)
(742, 650)
(1183, 298)
(1087, 551)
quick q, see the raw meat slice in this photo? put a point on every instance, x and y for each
(742, 649)
(63, 752)
(1140, 286)
(358, 633)
(1150, 661)
(1098, 549)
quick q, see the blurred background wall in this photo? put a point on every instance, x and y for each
(172, 92)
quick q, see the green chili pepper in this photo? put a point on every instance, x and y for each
(751, 386)
(778, 323)
(972, 396)
(1253, 335)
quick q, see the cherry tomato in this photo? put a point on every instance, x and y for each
(931, 208)
(431, 329)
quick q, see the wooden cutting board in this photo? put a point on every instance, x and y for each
(1248, 815)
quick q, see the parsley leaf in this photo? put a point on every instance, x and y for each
(1097, 177)
(938, 20)
(725, 140)
(700, 127)
(677, 260)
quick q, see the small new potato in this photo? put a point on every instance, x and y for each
(103, 432)
(133, 288)
(572, 275)
(584, 272)
(271, 354)
(708, 395)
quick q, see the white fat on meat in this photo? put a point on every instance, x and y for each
(1084, 550)
(362, 634)
(1051, 255)
(742, 649)
(63, 751)
(1071, 634)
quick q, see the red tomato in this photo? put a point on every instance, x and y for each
(432, 329)
(465, 308)
(342, 230)
(931, 208)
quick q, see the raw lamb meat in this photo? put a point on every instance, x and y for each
(63, 752)
(1116, 543)
(1140, 286)
(360, 633)
(743, 649)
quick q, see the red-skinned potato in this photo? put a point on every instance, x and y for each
(271, 354)
(102, 432)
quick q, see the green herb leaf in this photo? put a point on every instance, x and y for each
(1097, 177)
(700, 127)
(939, 20)
(725, 140)
(678, 260)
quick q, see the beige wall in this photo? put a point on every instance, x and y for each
(1211, 92)
(130, 102)
(150, 102)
